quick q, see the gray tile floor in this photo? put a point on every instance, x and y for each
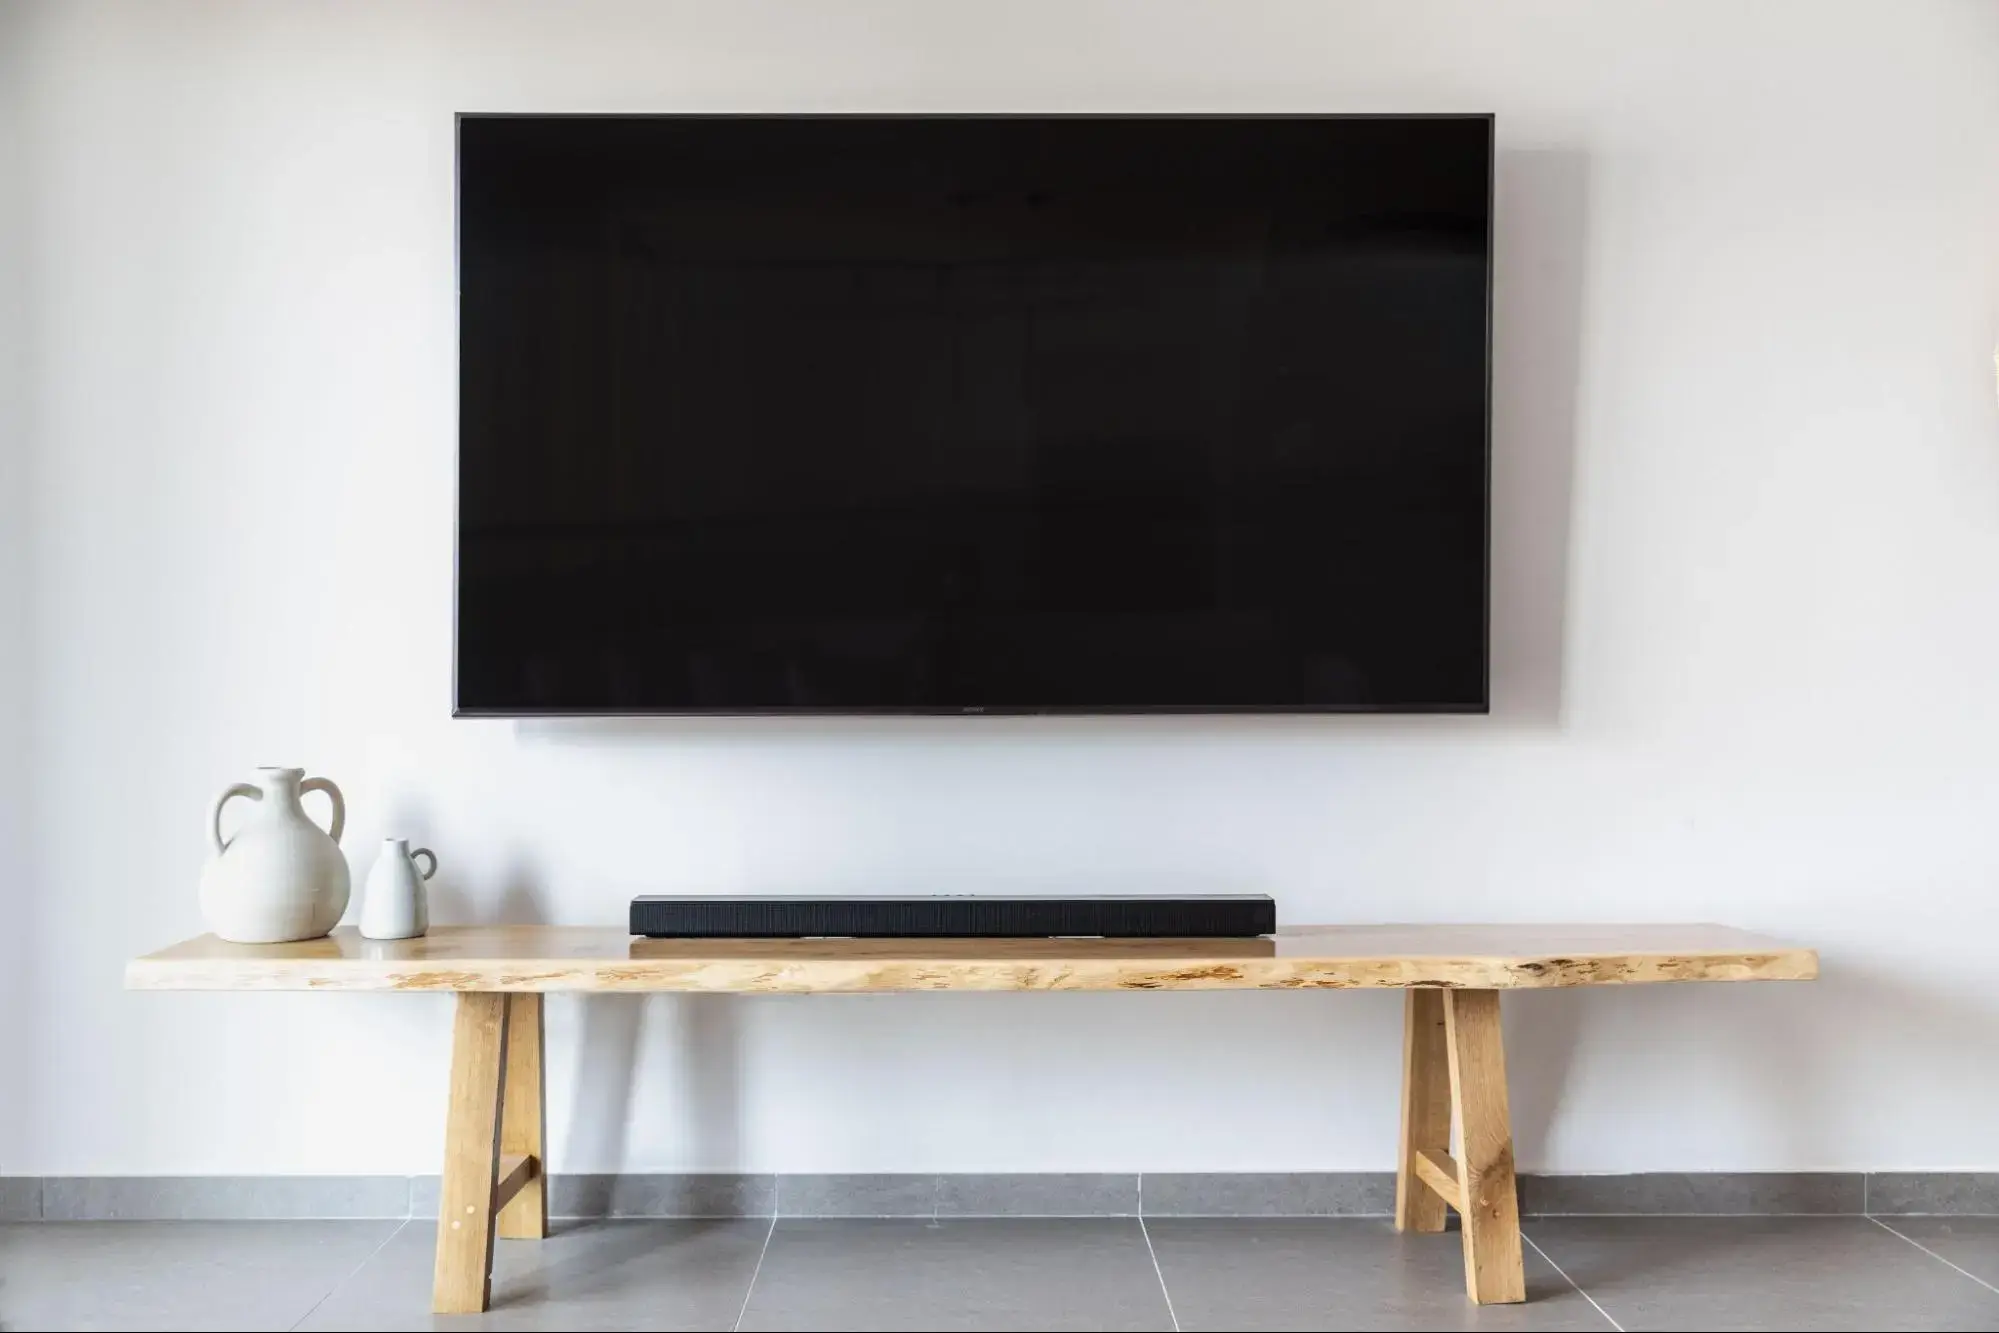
(1012, 1273)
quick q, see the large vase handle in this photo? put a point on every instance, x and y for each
(333, 795)
(215, 815)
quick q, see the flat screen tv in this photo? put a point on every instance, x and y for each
(970, 414)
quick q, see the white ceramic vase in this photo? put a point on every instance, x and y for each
(281, 877)
(394, 905)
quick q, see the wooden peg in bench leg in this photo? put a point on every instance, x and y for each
(1426, 1108)
(1490, 1211)
(467, 1204)
(525, 1216)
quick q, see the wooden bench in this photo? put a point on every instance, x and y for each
(1453, 1067)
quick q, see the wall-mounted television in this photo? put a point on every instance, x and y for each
(973, 414)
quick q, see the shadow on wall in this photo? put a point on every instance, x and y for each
(612, 1029)
(1768, 1044)
(612, 1026)
(706, 1061)
(520, 901)
(1540, 247)
(607, 1045)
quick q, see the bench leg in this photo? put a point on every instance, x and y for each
(525, 1216)
(1487, 1202)
(470, 1196)
(1426, 1108)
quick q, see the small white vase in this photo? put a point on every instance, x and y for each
(394, 905)
(281, 877)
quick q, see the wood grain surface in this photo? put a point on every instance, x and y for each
(523, 1112)
(587, 958)
(468, 1195)
(1487, 1203)
(1426, 1111)
(1439, 1170)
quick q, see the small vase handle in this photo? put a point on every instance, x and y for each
(215, 839)
(333, 795)
(425, 851)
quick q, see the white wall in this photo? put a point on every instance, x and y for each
(1746, 595)
(18, 902)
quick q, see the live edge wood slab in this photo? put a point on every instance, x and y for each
(584, 958)
(1453, 1066)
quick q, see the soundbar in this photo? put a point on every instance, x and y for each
(1173, 915)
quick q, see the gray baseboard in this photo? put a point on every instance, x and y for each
(20, 1198)
(1221, 1194)
(221, 1198)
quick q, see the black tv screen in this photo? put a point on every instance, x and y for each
(855, 414)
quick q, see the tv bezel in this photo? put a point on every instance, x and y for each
(1480, 707)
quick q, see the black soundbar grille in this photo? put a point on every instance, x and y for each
(1228, 915)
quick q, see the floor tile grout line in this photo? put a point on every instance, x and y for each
(756, 1272)
(1564, 1274)
(341, 1282)
(1933, 1254)
(1158, 1272)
